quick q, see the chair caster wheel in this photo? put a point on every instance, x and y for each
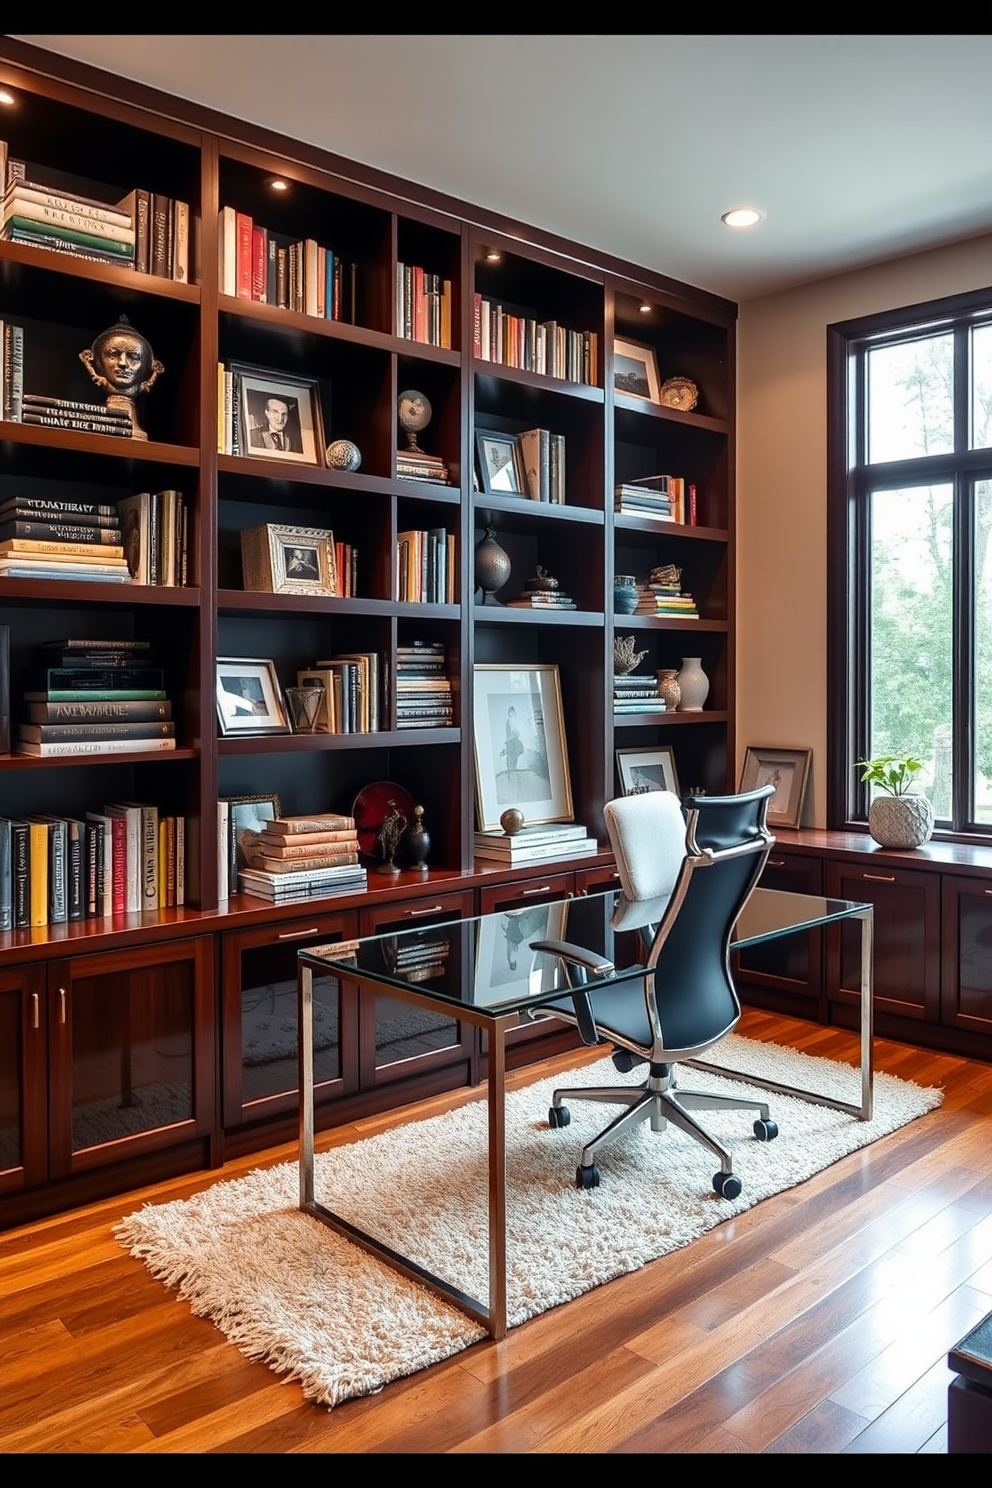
(765, 1131)
(625, 1061)
(558, 1116)
(587, 1177)
(727, 1185)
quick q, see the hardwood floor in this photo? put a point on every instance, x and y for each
(818, 1321)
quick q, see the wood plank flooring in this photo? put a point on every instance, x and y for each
(818, 1321)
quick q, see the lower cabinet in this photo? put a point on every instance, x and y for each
(966, 954)
(907, 935)
(105, 1057)
(786, 975)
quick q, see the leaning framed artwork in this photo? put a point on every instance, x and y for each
(643, 770)
(788, 771)
(248, 817)
(248, 697)
(280, 415)
(499, 463)
(521, 758)
(635, 370)
(278, 559)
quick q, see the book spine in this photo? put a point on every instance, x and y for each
(160, 260)
(75, 870)
(98, 746)
(99, 712)
(20, 849)
(180, 243)
(289, 825)
(75, 237)
(39, 509)
(6, 877)
(142, 231)
(53, 733)
(21, 206)
(38, 848)
(13, 372)
(94, 851)
(76, 422)
(118, 837)
(149, 857)
(180, 861)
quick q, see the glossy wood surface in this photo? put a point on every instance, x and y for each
(819, 1321)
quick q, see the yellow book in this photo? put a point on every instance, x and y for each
(38, 861)
(163, 861)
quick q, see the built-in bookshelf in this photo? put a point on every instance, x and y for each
(346, 291)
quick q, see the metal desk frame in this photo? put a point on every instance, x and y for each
(492, 1314)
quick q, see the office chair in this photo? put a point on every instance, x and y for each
(685, 880)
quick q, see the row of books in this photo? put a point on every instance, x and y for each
(536, 844)
(542, 463)
(294, 857)
(418, 957)
(423, 687)
(353, 701)
(667, 498)
(545, 347)
(426, 565)
(95, 697)
(155, 533)
(145, 231)
(124, 857)
(277, 269)
(423, 306)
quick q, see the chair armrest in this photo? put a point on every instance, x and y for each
(575, 955)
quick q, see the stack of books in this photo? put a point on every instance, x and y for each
(38, 214)
(658, 496)
(536, 844)
(538, 596)
(303, 857)
(418, 957)
(96, 697)
(80, 417)
(423, 306)
(414, 464)
(636, 693)
(666, 600)
(42, 539)
(275, 269)
(423, 688)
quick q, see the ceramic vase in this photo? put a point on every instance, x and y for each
(492, 567)
(694, 685)
(624, 594)
(669, 689)
(900, 821)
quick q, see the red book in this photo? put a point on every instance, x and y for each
(118, 827)
(418, 305)
(242, 256)
(259, 262)
(692, 506)
(477, 324)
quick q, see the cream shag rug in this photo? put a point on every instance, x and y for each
(293, 1294)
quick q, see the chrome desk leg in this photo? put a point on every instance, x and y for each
(497, 1181)
(305, 974)
(867, 918)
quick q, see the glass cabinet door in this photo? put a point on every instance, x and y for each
(23, 1078)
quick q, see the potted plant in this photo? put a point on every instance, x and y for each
(899, 817)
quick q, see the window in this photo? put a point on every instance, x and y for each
(909, 475)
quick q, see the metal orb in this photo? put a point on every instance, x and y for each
(511, 821)
(343, 455)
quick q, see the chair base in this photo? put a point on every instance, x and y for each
(658, 1101)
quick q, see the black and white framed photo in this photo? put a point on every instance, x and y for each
(788, 771)
(520, 752)
(249, 700)
(248, 817)
(280, 415)
(289, 560)
(643, 770)
(499, 463)
(635, 370)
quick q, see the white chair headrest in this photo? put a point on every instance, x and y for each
(648, 836)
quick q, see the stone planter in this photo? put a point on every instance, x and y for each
(900, 821)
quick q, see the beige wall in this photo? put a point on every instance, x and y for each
(781, 489)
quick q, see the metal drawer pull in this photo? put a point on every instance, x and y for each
(880, 877)
(540, 889)
(776, 863)
(61, 1004)
(296, 934)
(987, 891)
(413, 913)
(34, 1010)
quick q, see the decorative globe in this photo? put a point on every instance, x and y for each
(343, 455)
(511, 821)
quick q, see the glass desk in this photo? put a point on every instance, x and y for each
(483, 971)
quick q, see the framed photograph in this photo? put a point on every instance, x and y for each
(635, 370)
(280, 415)
(787, 770)
(248, 697)
(520, 754)
(504, 961)
(643, 770)
(248, 817)
(499, 463)
(289, 560)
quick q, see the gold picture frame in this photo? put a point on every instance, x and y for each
(521, 758)
(278, 559)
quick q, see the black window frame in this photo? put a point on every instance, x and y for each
(850, 480)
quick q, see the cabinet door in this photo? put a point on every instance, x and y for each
(786, 975)
(522, 902)
(259, 1049)
(132, 1052)
(906, 940)
(23, 1078)
(966, 953)
(399, 1041)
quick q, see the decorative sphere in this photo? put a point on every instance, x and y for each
(343, 455)
(511, 821)
(413, 410)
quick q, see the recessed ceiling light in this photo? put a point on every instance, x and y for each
(645, 309)
(279, 185)
(493, 255)
(5, 97)
(741, 217)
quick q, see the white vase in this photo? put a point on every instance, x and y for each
(694, 685)
(900, 821)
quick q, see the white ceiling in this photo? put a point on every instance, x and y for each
(857, 148)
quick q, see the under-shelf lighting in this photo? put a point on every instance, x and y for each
(493, 255)
(741, 217)
(645, 309)
(279, 184)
